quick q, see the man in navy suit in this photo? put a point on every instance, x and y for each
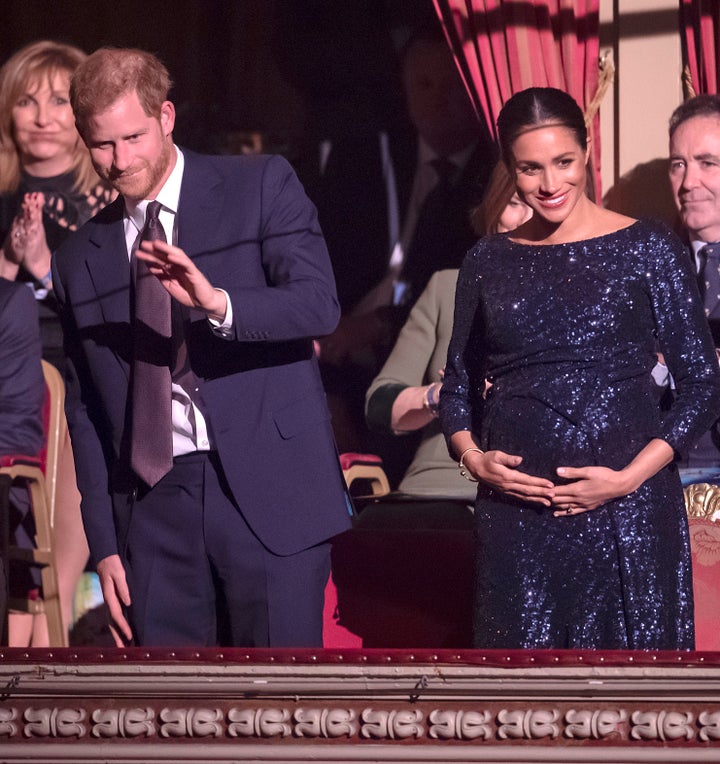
(231, 544)
(22, 387)
(22, 392)
(695, 180)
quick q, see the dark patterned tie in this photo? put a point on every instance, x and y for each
(710, 279)
(425, 253)
(152, 453)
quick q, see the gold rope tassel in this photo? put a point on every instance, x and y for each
(606, 76)
(687, 81)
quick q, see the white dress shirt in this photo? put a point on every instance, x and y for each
(190, 430)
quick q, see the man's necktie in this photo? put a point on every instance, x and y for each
(425, 255)
(152, 449)
(710, 279)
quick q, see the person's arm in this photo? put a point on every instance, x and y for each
(85, 416)
(685, 342)
(461, 399)
(22, 387)
(404, 395)
(687, 348)
(298, 299)
(415, 407)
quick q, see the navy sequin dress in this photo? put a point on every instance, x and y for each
(568, 336)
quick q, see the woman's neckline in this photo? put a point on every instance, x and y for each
(569, 243)
(45, 178)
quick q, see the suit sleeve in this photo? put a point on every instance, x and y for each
(85, 417)
(299, 299)
(461, 394)
(685, 340)
(22, 387)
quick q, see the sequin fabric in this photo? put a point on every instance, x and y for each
(568, 335)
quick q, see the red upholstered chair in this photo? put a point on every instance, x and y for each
(39, 474)
(365, 467)
(393, 587)
(702, 502)
(365, 470)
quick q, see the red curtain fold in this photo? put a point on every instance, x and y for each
(700, 33)
(503, 46)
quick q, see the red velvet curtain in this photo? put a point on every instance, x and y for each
(503, 46)
(700, 32)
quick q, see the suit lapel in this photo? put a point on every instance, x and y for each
(109, 270)
(200, 207)
(109, 265)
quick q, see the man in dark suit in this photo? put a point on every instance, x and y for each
(395, 208)
(434, 174)
(22, 392)
(695, 181)
(22, 388)
(219, 533)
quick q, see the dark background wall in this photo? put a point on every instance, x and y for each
(283, 67)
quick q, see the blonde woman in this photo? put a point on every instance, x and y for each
(48, 188)
(47, 183)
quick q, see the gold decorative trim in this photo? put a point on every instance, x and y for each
(702, 500)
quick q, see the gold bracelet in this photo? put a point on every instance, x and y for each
(461, 466)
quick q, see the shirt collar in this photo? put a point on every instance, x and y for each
(168, 196)
(460, 158)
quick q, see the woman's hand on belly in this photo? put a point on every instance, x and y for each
(591, 487)
(499, 470)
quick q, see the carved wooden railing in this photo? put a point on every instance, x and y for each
(384, 706)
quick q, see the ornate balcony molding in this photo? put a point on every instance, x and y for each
(356, 706)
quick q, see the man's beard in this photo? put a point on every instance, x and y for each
(139, 183)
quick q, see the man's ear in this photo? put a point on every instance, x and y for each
(167, 117)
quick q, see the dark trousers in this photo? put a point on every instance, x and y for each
(199, 576)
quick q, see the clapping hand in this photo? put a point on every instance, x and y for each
(26, 244)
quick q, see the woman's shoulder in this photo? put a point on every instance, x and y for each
(491, 242)
(612, 220)
(655, 232)
(656, 246)
(640, 231)
(608, 223)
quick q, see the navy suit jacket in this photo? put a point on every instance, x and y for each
(248, 225)
(22, 387)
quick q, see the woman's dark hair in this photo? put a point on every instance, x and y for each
(537, 106)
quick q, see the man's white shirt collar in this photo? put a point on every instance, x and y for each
(696, 247)
(168, 196)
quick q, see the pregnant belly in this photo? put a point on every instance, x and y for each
(543, 437)
(608, 430)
